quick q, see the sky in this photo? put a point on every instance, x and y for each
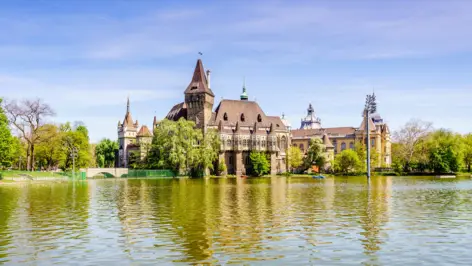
(84, 58)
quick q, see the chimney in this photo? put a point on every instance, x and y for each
(208, 78)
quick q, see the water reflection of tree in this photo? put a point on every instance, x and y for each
(9, 201)
(53, 214)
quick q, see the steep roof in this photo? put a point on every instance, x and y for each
(327, 142)
(235, 108)
(371, 124)
(144, 132)
(199, 81)
(340, 130)
(179, 110)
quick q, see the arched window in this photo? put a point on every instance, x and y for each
(225, 117)
(259, 118)
(343, 146)
(283, 143)
(302, 148)
(242, 118)
(351, 146)
(228, 142)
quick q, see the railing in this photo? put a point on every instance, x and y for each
(149, 173)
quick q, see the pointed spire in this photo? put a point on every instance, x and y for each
(244, 96)
(127, 105)
(154, 122)
(199, 81)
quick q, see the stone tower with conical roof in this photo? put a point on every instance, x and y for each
(199, 98)
(127, 132)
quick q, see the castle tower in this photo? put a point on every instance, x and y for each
(310, 121)
(199, 98)
(126, 135)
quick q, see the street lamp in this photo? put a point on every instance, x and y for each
(73, 154)
(370, 108)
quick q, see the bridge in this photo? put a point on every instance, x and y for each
(115, 172)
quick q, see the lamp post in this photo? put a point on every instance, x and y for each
(73, 154)
(370, 108)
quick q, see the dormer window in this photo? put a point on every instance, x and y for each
(259, 118)
(225, 117)
(242, 118)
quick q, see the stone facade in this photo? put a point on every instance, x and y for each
(241, 124)
(343, 138)
(133, 144)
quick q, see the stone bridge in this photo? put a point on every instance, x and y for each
(115, 172)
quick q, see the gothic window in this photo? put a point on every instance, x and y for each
(242, 118)
(372, 142)
(259, 118)
(228, 142)
(283, 143)
(343, 146)
(302, 148)
(351, 145)
(225, 117)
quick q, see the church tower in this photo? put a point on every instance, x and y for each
(126, 135)
(199, 98)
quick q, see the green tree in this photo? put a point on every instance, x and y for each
(445, 151)
(181, 147)
(411, 138)
(361, 151)
(6, 139)
(18, 153)
(315, 154)
(467, 145)
(105, 153)
(295, 157)
(74, 140)
(260, 164)
(347, 161)
(48, 150)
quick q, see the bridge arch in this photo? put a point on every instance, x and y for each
(111, 172)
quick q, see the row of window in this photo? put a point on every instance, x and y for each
(246, 142)
(242, 117)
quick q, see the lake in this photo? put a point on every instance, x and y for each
(271, 221)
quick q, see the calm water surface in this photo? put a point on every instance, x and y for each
(275, 221)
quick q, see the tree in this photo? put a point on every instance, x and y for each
(467, 145)
(315, 154)
(28, 116)
(18, 153)
(361, 151)
(445, 151)
(295, 157)
(105, 153)
(346, 161)
(409, 136)
(6, 139)
(183, 148)
(74, 142)
(260, 164)
(48, 149)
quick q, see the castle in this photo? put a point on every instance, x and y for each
(241, 124)
(243, 127)
(337, 139)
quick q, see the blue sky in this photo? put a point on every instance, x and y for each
(85, 57)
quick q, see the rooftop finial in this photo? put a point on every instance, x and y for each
(244, 96)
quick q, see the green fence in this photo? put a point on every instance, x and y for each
(150, 173)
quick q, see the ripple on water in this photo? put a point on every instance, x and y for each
(277, 221)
